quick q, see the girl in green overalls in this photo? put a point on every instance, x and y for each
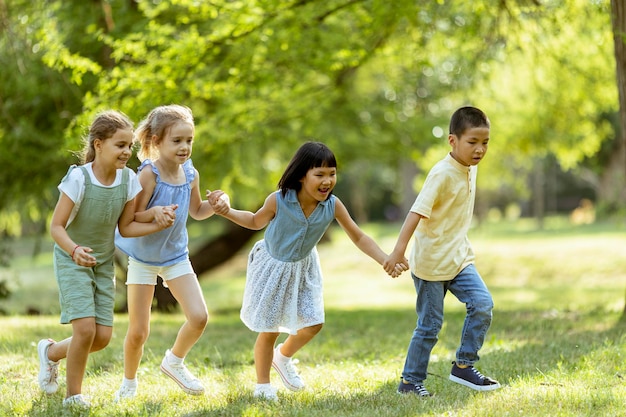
(95, 198)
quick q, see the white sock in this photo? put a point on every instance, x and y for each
(278, 356)
(173, 359)
(130, 383)
(263, 385)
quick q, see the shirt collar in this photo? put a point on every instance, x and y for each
(456, 164)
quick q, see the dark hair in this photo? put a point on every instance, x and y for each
(309, 155)
(156, 123)
(466, 118)
(104, 126)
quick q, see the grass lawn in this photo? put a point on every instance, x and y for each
(556, 343)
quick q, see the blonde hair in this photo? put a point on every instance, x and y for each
(158, 121)
(103, 127)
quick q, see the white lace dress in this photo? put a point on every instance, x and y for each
(282, 296)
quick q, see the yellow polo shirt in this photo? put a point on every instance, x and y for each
(441, 248)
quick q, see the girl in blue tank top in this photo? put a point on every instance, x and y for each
(283, 291)
(171, 189)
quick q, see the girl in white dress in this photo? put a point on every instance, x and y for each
(283, 291)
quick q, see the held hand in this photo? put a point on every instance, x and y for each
(397, 271)
(394, 265)
(82, 256)
(404, 265)
(170, 211)
(389, 265)
(400, 268)
(219, 201)
(164, 216)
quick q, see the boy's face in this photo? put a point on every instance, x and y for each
(471, 147)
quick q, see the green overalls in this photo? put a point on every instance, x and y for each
(90, 291)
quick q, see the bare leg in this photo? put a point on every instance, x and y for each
(58, 350)
(188, 293)
(83, 335)
(139, 306)
(263, 355)
(294, 343)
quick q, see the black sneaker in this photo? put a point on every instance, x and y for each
(470, 377)
(417, 389)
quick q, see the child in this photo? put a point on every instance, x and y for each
(283, 291)
(442, 258)
(95, 198)
(168, 178)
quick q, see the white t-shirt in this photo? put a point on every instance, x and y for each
(74, 186)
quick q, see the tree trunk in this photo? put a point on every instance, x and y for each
(618, 18)
(539, 206)
(221, 249)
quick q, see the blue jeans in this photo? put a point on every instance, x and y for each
(470, 289)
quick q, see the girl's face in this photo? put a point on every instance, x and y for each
(177, 142)
(319, 182)
(471, 147)
(116, 150)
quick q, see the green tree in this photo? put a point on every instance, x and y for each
(50, 59)
(618, 8)
(376, 80)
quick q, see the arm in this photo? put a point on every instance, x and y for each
(199, 209)
(407, 230)
(164, 215)
(130, 227)
(247, 219)
(80, 254)
(362, 241)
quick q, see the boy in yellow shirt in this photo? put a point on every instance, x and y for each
(442, 259)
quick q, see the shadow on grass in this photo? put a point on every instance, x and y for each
(522, 348)
(521, 345)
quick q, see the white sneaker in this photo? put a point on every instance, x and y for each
(287, 372)
(48, 370)
(76, 401)
(181, 375)
(265, 392)
(125, 393)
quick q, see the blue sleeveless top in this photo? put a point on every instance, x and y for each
(168, 246)
(290, 236)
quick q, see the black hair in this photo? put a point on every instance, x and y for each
(309, 155)
(466, 118)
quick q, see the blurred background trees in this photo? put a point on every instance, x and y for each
(375, 80)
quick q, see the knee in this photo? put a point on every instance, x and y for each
(484, 305)
(429, 330)
(268, 337)
(137, 336)
(312, 330)
(84, 334)
(199, 320)
(100, 341)
(482, 309)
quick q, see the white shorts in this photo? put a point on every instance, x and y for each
(144, 274)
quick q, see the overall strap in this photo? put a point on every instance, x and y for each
(86, 174)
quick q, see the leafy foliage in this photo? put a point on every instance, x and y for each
(376, 80)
